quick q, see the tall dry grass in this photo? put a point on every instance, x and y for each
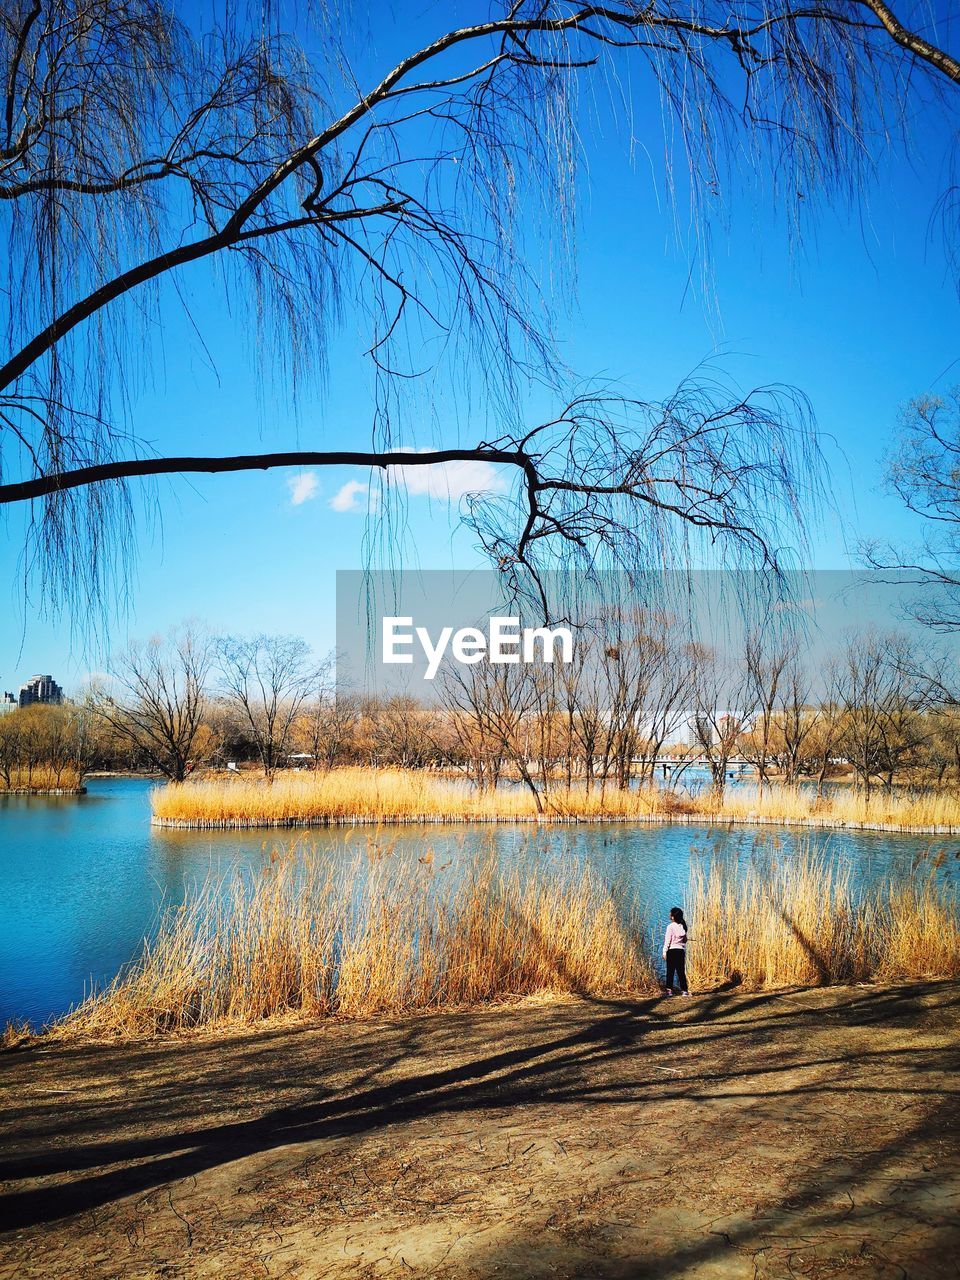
(360, 941)
(42, 777)
(847, 805)
(371, 795)
(369, 938)
(798, 921)
(378, 795)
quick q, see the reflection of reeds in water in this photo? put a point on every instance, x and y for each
(377, 937)
(359, 942)
(365, 795)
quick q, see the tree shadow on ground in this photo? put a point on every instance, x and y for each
(616, 1037)
(832, 1223)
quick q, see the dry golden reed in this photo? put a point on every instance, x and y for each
(42, 777)
(841, 806)
(344, 795)
(371, 795)
(796, 920)
(362, 940)
(375, 937)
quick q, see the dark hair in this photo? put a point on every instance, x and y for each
(676, 914)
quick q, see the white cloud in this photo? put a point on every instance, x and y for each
(303, 487)
(449, 481)
(355, 495)
(443, 482)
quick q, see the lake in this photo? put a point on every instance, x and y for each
(83, 878)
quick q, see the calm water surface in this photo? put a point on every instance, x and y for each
(83, 878)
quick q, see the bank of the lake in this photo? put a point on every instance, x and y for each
(43, 791)
(84, 879)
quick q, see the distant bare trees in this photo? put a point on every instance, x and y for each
(883, 698)
(55, 742)
(265, 680)
(158, 700)
(606, 719)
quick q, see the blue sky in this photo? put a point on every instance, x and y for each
(862, 318)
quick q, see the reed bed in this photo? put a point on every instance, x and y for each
(346, 795)
(42, 777)
(798, 921)
(376, 937)
(847, 806)
(358, 795)
(360, 941)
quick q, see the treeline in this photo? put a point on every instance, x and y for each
(641, 691)
(637, 690)
(46, 747)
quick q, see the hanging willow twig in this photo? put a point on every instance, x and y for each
(132, 152)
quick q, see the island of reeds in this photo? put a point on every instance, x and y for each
(355, 796)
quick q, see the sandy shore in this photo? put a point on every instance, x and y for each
(799, 1133)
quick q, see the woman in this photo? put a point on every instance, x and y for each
(675, 952)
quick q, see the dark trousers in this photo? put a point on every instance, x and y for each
(677, 968)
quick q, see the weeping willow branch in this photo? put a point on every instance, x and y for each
(133, 153)
(914, 43)
(608, 476)
(45, 486)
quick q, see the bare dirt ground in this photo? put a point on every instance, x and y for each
(800, 1133)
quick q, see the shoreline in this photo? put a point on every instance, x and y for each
(43, 791)
(544, 819)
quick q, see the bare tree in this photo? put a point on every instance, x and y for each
(769, 658)
(266, 680)
(322, 722)
(499, 706)
(796, 721)
(924, 471)
(398, 731)
(134, 152)
(670, 692)
(725, 702)
(628, 665)
(10, 746)
(158, 699)
(883, 697)
(942, 746)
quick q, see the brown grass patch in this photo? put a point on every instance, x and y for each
(366, 940)
(375, 937)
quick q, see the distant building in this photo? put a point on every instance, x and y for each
(40, 689)
(8, 702)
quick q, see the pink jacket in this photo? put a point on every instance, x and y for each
(676, 936)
